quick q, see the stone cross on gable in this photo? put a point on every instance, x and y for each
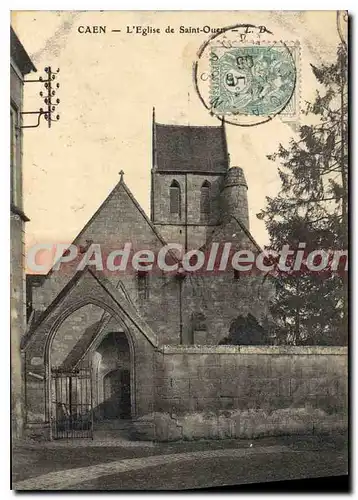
(121, 173)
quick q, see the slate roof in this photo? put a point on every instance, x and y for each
(181, 148)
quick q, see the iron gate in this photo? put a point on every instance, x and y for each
(72, 409)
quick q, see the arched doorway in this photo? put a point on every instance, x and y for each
(70, 384)
(89, 362)
(112, 378)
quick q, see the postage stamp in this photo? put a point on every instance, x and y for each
(251, 80)
(245, 76)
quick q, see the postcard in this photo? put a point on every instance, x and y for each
(179, 248)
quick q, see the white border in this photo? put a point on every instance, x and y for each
(4, 184)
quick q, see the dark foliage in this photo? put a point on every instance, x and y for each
(245, 330)
(312, 208)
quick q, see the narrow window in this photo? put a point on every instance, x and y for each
(236, 274)
(205, 198)
(143, 285)
(174, 192)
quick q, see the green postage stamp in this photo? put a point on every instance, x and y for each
(251, 80)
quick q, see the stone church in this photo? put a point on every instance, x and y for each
(102, 346)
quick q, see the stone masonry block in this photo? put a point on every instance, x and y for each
(204, 389)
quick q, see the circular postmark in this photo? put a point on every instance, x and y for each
(243, 76)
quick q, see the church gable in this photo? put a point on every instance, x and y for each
(119, 220)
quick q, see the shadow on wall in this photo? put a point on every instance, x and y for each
(117, 398)
(246, 330)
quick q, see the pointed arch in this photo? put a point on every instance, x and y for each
(205, 197)
(55, 326)
(175, 198)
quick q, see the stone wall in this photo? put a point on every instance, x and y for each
(248, 391)
(18, 318)
(17, 274)
(220, 299)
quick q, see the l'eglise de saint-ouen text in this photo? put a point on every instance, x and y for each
(152, 30)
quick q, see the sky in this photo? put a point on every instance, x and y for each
(109, 84)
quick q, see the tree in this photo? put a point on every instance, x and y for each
(312, 207)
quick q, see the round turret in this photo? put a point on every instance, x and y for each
(234, 196)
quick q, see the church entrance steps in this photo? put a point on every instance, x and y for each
(112, 424)
(114, 429)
